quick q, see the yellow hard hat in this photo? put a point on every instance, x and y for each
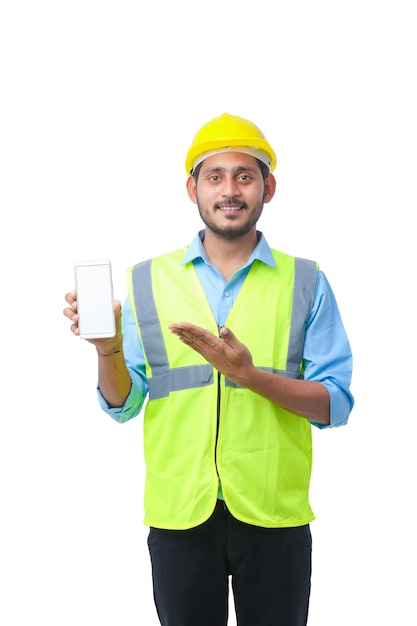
(228, 132)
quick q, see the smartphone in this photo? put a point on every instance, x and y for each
(94, 289)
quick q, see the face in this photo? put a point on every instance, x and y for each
(230, 193)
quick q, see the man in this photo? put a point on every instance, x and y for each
(262, 355)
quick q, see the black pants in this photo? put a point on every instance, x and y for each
(270, 571)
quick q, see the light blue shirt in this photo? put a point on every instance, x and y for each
(327, 355)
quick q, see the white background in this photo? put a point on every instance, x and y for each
(99, 103)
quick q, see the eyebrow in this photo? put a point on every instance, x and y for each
(237, 169)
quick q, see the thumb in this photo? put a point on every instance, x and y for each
(226, 334)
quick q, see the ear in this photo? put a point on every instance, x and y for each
(192, 189)
(270, 186)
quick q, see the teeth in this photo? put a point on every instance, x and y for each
(230, 208)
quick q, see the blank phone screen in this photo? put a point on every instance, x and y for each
(95, 299)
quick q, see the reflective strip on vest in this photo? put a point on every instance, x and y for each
(165, 379)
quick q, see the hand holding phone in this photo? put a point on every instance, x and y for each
(94, 290)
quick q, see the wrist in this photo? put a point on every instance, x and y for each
(116, 351)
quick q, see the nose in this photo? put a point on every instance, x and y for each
(230, 187)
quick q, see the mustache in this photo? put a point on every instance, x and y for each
(234, 201)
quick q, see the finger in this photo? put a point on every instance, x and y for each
(75, 329)
(201, 338)
(184, 330)
(70, 314)
(70, 297)
(183, 327)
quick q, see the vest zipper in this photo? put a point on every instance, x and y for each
(218, 413)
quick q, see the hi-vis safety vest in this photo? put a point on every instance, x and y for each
(199, 427)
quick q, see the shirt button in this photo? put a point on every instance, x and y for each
(226, 294)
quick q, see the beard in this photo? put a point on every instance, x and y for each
(231, 231)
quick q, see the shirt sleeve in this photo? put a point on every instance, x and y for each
(135, 362)
(327, 356)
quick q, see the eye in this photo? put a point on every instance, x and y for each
(245, 178)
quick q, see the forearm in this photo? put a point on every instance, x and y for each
(113, 378)
(306, 398)
(229, 356)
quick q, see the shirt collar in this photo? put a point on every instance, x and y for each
(261, 253)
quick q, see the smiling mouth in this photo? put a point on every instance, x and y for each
(231, 206)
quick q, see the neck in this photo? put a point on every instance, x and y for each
(229, 255)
